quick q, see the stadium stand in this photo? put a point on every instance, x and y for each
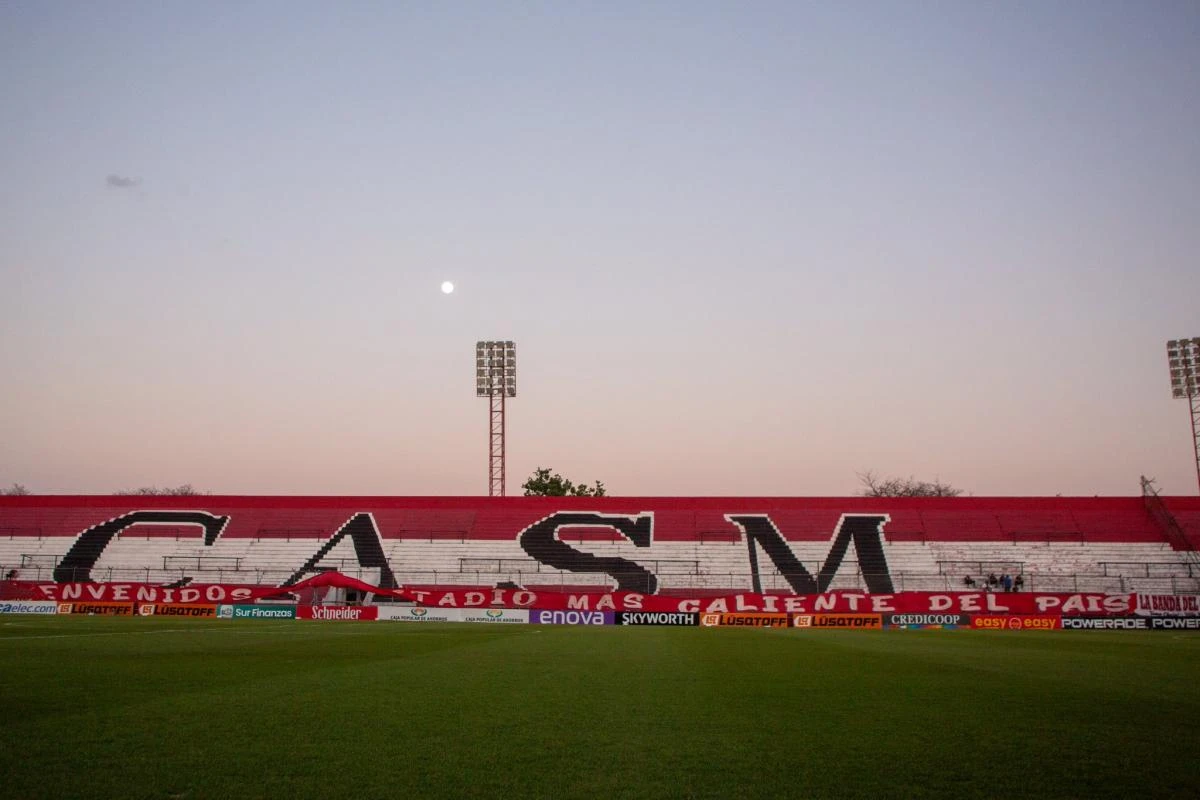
(928, 544)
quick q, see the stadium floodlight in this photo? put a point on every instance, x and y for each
(496, 379)
(1183, 360)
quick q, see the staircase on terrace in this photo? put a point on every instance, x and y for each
(1170, 526)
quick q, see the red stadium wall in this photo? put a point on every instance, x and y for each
(675, 518)
(802, 541)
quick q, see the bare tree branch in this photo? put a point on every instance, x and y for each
(875, 486)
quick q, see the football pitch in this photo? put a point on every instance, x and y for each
(157, 708)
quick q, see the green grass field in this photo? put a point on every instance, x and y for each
(145, 708)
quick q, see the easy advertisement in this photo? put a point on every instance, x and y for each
(991, 622)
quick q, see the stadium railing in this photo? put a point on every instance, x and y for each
(1117, 577)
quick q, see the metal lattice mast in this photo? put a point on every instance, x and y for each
(496, 379)
(1183, 355)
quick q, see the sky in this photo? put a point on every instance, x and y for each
(742, 248)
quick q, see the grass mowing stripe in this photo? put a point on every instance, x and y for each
(540, 711)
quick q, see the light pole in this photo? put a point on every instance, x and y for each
(495, 379)
(1183, 356)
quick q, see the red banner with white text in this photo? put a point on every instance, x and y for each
(122, 592)
(833, 602)
(1021, 603)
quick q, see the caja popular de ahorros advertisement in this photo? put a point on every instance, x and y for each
(495, 616)
(387, 613)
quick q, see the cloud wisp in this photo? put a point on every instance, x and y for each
(122, 182)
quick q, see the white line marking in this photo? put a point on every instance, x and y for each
(78, 635)
(222, 629)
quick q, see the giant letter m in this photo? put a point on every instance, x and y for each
(865, 530)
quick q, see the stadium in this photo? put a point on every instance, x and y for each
(583, 647)
(751, 253)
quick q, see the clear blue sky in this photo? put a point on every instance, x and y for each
(742, 248)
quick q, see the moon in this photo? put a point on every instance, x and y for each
(447, 287)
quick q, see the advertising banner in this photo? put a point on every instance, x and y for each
(150, 593)
(543, 617)
(175, 610)
(1171, 605)
(920, 621)
(1015, 623)
(656, 618)
(496, 616)
(417, 614)
(744, 620)
(28, 607)
(1175, 623)
(846, 621)
(105, 609)
(1027, 604)
(1105, 624)
(234, 593)
(256, 612)
(842, 602)
(354, 613)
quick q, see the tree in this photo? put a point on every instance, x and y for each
(543, 484)
(14, 490)
(875, 486)
(184, 490)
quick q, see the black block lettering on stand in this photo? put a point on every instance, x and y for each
(540, 541)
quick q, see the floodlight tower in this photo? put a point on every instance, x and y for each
(1184, 357)
(496, 379)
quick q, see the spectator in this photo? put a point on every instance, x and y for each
(1007, 582)
(992, 579)
(1018, 583)
(968, 581)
